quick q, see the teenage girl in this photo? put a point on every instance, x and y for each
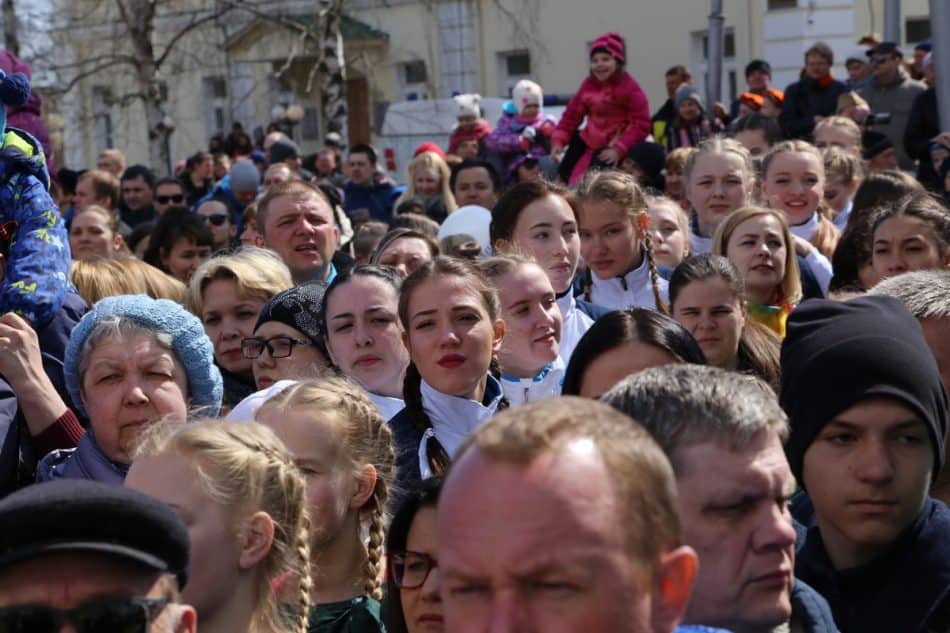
(624, 342)
(360, 317)
(758, 242)
(616, 108)
(530, 366)
(244, 502)
(454, 330)
(719, 178)
(844, 173)
(428, 182)
(344, 449)
(669, 228)
(913, 235)
(707, 296)
(793, 181)
(404, 250)
(536, 219)
(616, 243)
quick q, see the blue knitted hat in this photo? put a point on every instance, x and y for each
(14, 91)
(189, 341)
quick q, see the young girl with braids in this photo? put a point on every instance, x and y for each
(244, 501)
(344, 449)
(531, 368)
(793, 181)
(616, 244)
(453, 325)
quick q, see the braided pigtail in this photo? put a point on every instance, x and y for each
(588, 285)
(373, 567)
(305, 582)
(494, 368)
(643, 220)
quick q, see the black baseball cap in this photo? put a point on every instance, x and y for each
(885, 48)
(76, 515)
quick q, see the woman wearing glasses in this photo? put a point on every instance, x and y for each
(413, 604)
(227, 293)
(287, 341)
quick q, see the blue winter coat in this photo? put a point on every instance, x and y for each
(37, 270)
(86, 461)
(377, 199)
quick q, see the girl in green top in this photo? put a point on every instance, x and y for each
(344, 449)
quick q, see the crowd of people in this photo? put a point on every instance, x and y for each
(616, 372)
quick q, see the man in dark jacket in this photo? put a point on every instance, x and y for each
(868, 419)
(814, 97)
(663, 119)
(367, 195)
(923, 129)
(723, 433)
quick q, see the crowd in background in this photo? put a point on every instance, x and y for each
(623, 370)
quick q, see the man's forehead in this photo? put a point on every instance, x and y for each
(305, 202)
(721, 465)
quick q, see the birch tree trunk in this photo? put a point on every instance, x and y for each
(332, 68)
(11, 39)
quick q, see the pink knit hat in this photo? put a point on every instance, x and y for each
(611, 43)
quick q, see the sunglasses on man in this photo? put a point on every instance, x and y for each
(880, 59)
(121, 615)
(217, 219)
(176, 198)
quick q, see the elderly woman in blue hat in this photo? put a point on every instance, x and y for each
(130, 361)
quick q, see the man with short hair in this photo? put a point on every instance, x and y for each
(199, 178)
(868, 416)
(168, 193)
(138, 181)
(814, 97)
(83, 556)
(367, 192)
(858, 69)
(286, 152)
(97, 187)
(675, 77)
(218, 219)
(296, 221)
(475, 182)
(758, 76)
(924, 139)
(560, 515)
(723, 433)
(890, 90)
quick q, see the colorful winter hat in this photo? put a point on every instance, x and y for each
(526, 93)
(14, 91)
(612, 44)
(467, 105)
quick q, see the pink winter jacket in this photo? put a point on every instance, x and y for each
(617, 112)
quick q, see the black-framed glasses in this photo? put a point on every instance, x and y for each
(216, 219)
(277, 347)
(409, 570)
(176, 198)
(120, 615)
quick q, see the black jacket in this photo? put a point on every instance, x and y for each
(906, 589)
(804, 100)
(922, 125)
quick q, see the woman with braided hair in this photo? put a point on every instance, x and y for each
(452, 319)
(616, 244)
(244, 501)
(344, 450)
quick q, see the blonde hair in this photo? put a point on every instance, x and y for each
(842, 165)
(99, 278)
(365, 439)
(245, 468)
(844, 124)
(622, 190)
(257, 272)
(825, 238)
(677, 159)
(721, 145)
(432, 162)
(116, 156)
(104, 183)
(790, 289)
(682, 219)
(111, 216)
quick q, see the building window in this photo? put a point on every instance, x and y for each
(310, 124)
(916, 29)
(102, 117)
(413, 80)
(216, 105)
(699, 57)
(774, 5)
(513, 66)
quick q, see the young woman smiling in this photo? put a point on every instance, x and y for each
(530, 365)
(453, 325)
(758, 242)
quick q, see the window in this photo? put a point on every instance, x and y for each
(513, 66)
(916, 29)
(102, 117)
(413, 79)
(309, 124)
(216, 105)
(774, 5)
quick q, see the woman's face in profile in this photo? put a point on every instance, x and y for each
(615, 364)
